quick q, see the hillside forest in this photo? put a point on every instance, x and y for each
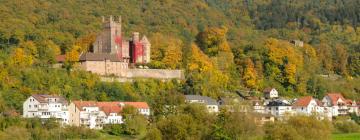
(223, 46)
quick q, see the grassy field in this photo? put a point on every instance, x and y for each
(350, 136)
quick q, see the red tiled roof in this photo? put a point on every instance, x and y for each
(349, 102)
(110, 107)
(42, 98)
(81, 104)
(60, 58)
(137, 104)
(304, 101)
(319, 103)
(335, 97)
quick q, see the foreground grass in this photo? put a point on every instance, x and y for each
(349, 136)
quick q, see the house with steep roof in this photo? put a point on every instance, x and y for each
(307, 106)
(45, 106)
(211, 104)
(270, 93)
(338, 104)
(94, 114)
(310, 106)
(279, 108)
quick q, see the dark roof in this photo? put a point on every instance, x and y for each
(207, 100)
(277, 103)
(42, 98)
(268, 90)
(99, 57)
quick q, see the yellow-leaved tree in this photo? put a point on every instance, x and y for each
(198, 61)
(213, 43)
(249, 75)
(72, 57)
(173, 55)
(166, 51)
(205, 79)
(20, 58)
(285, 61)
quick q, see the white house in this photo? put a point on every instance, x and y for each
(270, 93)
(211, 104)
(142, 107)
(46, 106)
(337, 104)
(258, 107)
(94, 114)
(308, 106)
(278, 108)
(353, 107)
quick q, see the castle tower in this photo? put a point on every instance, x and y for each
(146, 47)
(136, 49)
(110, 39)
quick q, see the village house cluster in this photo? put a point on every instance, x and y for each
(95, 115)
(91, 114)
(271, 106)
(332, 105)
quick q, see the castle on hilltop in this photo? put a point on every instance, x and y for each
(111, 41)
(113, 55)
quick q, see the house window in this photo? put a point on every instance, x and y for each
(29, 106)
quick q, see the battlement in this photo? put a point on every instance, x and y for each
(111, 19)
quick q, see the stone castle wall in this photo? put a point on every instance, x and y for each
(120, 69)
(152, 73)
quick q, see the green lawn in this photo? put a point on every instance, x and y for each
(349, 136)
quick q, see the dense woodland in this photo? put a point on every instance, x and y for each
(222, 45)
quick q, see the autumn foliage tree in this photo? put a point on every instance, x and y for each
(284, 61)
(249, 75)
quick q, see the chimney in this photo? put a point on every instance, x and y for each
(136, 36)
(120, 19)
(103, 19)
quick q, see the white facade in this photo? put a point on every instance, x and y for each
(273, 93)
(258, 107)
(95, 115)
(337, 107)
(210, 104)
(144, 111)
(212, 108)
(113, 118)
(279, 111)
(46, 107)
(310, 109)
(92, 117)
